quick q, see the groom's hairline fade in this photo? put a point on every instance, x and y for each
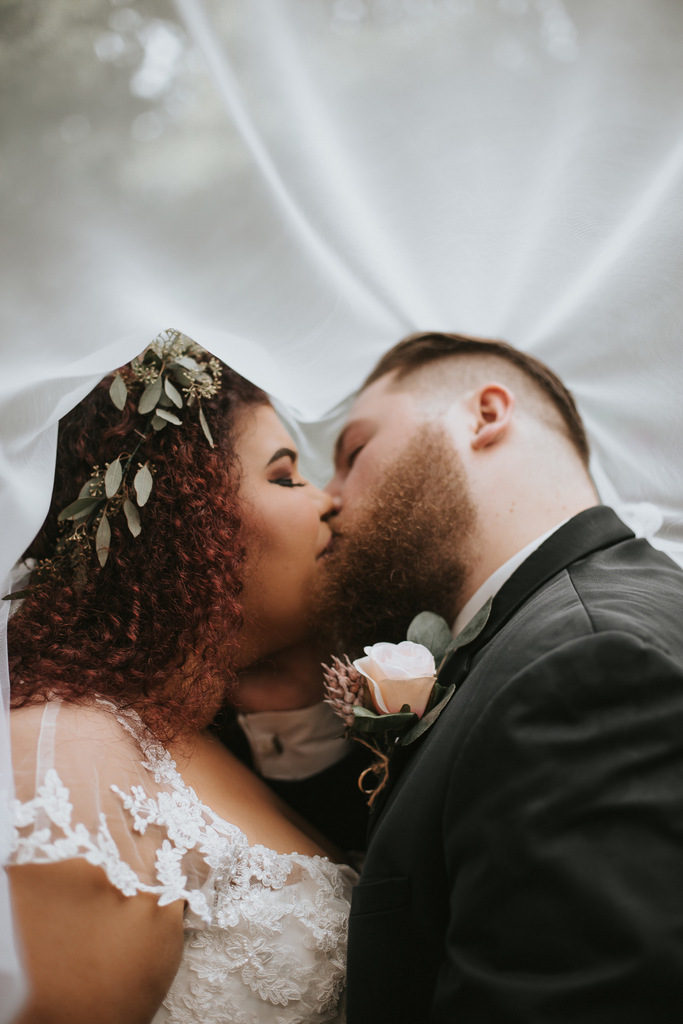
(418, 351)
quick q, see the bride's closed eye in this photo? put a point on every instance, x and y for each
(286, 481)
(283, 465)
(283, 473)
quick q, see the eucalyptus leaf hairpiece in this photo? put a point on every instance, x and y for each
(175, 374)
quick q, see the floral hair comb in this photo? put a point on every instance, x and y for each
(171, 375)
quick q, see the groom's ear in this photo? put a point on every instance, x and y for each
(491, 407)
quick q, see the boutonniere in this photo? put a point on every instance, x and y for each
(392, 696)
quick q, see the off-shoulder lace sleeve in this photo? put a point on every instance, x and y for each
(265, 932)
(89, 784)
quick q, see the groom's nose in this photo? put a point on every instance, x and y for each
(334, 488)
(329, 505)
(333, 503)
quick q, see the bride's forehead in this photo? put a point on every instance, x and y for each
(259, 427)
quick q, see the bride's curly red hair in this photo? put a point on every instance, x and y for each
(156, 629)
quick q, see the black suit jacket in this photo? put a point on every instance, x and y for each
(527, 865)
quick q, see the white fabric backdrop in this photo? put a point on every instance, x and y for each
(298, 184)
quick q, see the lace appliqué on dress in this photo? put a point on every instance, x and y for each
(41, 846)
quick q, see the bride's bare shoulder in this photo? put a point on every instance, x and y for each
(45, 732)
(236, 794)
(83, 718)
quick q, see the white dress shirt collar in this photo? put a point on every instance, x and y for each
(492, 585)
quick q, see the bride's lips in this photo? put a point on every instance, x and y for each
(328, 546)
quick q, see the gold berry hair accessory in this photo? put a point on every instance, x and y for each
(171, 376)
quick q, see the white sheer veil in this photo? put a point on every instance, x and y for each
(297, 185)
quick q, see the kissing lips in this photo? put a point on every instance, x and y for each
(330, 544)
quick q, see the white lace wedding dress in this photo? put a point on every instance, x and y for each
(265, 933)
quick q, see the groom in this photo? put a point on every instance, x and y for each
(527, 863)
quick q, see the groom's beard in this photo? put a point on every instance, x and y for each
(407, 550)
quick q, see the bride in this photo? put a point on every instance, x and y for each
(153, 876)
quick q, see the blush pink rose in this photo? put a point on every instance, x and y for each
(398, 674)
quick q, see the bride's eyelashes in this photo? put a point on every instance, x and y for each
(286, 481)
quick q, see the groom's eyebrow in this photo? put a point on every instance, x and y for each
(280, 453)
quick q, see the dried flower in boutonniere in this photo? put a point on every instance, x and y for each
(380, 698)
(392, 696)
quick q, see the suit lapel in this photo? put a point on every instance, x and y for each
(589, 531)
(592, 530)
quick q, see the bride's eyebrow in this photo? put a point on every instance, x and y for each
(281, 453)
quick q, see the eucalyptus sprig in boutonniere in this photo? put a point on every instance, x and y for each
(392, 696)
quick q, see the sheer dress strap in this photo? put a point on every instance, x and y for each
(91, 783)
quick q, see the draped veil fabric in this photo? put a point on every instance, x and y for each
(297, 185)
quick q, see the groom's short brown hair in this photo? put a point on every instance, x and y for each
(420, 350)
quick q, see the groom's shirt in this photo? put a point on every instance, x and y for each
(293, 745)
(492, 585)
